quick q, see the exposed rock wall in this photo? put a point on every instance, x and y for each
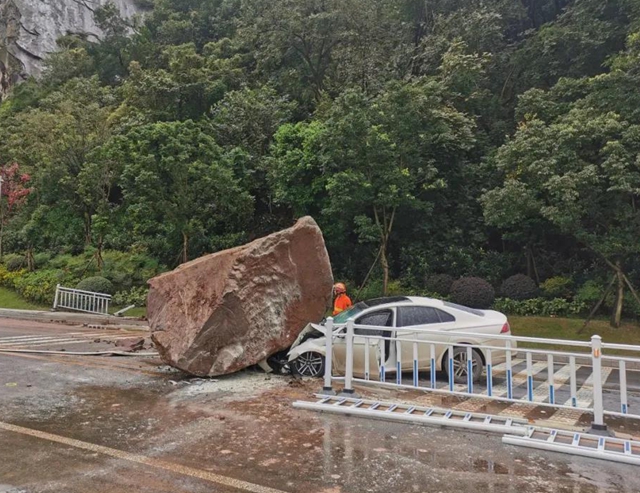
(29, 30)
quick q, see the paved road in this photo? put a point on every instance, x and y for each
(78, 424)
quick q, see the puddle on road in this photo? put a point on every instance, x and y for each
(258, 437)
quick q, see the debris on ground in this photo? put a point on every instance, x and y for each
(229, 310)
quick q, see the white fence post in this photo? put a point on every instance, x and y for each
(348, 374)
(596, 362)
(55, 300)
(328, 357)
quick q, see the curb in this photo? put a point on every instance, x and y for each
(74, 318)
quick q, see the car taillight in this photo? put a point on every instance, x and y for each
(505, 328)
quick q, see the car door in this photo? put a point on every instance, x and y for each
(377, 318)
(424, 323)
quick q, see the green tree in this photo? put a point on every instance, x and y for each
(179, 189)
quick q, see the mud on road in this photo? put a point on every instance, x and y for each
(73, 424)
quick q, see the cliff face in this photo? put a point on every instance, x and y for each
(29, 30)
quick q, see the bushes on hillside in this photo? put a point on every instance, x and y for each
(97, 284)
(15, 262)
(439, 283)
(473, 292)
(519, 287)
(135, 296)
(557, 287)
(557, 307)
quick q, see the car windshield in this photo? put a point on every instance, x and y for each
(473, 311)
(342, 317)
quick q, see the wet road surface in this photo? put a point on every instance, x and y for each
(100, 424)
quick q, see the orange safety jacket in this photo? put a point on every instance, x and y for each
(341, 303)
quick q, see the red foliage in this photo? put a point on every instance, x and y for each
(14, 186)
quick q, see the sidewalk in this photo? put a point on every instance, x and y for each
(73, 318)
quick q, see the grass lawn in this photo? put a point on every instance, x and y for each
(138, 311)
(567, 328)
(11, 299)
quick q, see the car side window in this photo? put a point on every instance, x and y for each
(444, 316)
(380, 318)
(418, 315)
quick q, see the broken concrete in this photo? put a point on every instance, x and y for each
(232, 309)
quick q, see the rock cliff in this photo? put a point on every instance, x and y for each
(29, 30)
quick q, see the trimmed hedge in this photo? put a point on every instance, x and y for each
(473, 292)
(519, 287)
(96, 284)
(439, 283)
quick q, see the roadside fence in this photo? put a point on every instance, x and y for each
(401, 357)
(81, 301)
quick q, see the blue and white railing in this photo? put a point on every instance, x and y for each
(584, 393)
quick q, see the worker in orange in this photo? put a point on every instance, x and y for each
(342, 301)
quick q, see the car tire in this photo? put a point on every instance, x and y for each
(460, 365)
(309, 364)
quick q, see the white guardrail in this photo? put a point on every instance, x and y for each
(513, 387)
(81, 301)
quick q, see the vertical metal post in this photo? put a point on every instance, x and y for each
(415, 364)
(398, 362)
(55, 300)
(367, 364)
(596, 363)
(623, 386)
(450, 371)
(469, 369)
(529, 378)
(328, 356)
(489, 374)
(383, 358)
(509, 371)
(574, 387)
(550, 378)
(432, 375)
(348, 374)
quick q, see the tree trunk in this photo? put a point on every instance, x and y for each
(384, 262)
(616, 316)
(87, 228)
(185, 247)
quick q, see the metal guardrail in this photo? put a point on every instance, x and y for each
(427, 344)
(81, 301)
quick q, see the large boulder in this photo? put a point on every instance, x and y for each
(232, 309)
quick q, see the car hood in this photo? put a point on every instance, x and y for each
(309, 328)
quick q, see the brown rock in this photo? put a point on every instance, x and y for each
(232, 309)
(135, 344)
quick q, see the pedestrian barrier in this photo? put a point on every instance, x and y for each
(506, 379)
(81, 301)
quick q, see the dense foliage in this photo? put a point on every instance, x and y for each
(473, 292)
(519, 287)
(469, 138)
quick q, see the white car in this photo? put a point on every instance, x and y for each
(428, 319)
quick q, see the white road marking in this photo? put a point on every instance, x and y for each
(142, 459)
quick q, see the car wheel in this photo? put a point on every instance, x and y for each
(308, 364)
(460, 364)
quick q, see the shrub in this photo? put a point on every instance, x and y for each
(41, 260)
(557, 307)
(557, 287)
(15, 262)
(40, 286)
(8, 278)
(135, 296)
(473, 292)
(96, 284)
(589, 293)
(439, 283)
(519, 287)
